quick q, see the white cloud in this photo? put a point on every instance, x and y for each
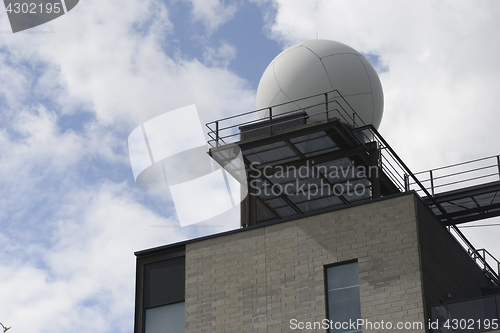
(213, 13)
(124, 73)
(70, 220)
(442, 70)
(221, 56)
(84, 280)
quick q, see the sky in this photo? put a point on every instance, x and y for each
(73, 89)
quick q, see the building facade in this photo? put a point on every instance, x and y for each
(340, 242)
(275, 277)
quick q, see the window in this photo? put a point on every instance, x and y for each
(164, 284)
(167, 318)
(160, 290)
(343, 300)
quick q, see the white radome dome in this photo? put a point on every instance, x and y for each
(318, 66)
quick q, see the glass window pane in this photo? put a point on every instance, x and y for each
(164, 282)
(498, 306)
(343, 295)
(165, 319)
(343, 276)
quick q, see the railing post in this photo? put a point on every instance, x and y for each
(498, 164)
(271, 120)
(406, 182)
(374, 158)
(216, 133)
(353, 120)
(326, 105)
(432, 182)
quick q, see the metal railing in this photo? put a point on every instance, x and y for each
(321, 107)
(481, 257)
(487, 261)
(475, 172)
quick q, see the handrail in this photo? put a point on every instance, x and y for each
(458, 164)
(484, 257)
(338, 105)
(474, 254)
(454, 177)
(281, 104)
(406, 172)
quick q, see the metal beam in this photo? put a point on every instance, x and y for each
(266, 180)
(466, 192)
(288, 134)
(317, 159)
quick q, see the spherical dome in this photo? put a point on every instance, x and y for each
(318, 66)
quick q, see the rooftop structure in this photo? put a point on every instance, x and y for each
(335, 229)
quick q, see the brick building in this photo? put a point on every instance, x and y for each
(382, 258)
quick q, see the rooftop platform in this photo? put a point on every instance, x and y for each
(294, 167)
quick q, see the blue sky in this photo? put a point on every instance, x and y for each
(73, 89)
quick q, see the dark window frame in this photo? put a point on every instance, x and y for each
(141, 262)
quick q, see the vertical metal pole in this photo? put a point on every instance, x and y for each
(353, 120)
(326, 105)
(498, 164)
(407, 185)
(374, 162)
(216, 133)
(252, 198)
(432, 182)
(271, 120)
